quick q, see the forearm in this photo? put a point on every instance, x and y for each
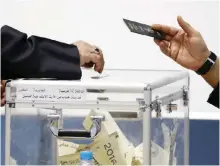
(212, 77)
(37, 57)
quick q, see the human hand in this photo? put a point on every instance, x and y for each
(90, 56)
(185, 46)
(3, 82)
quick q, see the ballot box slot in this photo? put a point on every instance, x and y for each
(95, 90)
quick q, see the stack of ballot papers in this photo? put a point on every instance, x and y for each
(109, 147)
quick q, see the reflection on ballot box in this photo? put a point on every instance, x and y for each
(128, 117)
(118, 143)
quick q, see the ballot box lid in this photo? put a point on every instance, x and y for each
(127, 75)
(133, 76)
(92, 85)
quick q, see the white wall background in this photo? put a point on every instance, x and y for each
(100, 22)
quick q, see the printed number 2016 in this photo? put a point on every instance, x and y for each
(110, 153)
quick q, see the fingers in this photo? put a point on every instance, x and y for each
(174, 50)
(186, 27)
(90, 56)
(157, 41)
(89, 65)
(98, 60)
(169, 31)
(96, 57)
(3, 82)
(164, 46)
(100, 65)
(168, 37)
(3, 85)
(3, 101)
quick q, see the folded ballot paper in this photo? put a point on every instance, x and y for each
(109, 126)
(105, 152)
(110, 147)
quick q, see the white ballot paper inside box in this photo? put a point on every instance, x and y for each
(111, 148)
(109, 127)
(105, 152)
(129, 112)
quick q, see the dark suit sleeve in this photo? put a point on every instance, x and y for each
(214, 97)
(37, 57)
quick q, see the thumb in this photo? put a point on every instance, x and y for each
(186, 27)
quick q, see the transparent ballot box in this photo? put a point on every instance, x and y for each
(125, 117)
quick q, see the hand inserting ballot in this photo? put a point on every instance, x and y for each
(90, 56)
(3, 82)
